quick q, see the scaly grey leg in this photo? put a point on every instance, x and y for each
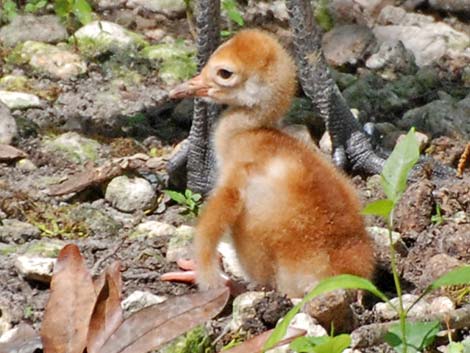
(350, 146)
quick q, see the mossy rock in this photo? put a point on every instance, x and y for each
(99, 37)
(75, 148)
(44, 247)
(177, 61)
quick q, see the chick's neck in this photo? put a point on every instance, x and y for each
(237, 120)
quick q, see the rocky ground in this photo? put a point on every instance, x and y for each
(74, 98)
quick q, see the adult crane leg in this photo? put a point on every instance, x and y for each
(195, 161)
(351, 148)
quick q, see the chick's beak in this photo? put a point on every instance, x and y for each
(195, 87)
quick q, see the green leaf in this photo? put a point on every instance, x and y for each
(419, 335)
(83, 11)
(230, 7)
(455, 347)
(10, 9)
(398, 165)
(225, 34)
(326, 285)
(460, 275)
(323, 344)
(380, 208)
(334, 344)
(176, 196)
(63, 8)
(188, 193)
(196, 197)
(303, 344)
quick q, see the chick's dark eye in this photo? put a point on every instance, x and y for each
(225, 74)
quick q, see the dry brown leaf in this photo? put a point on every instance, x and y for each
(68, 311)
(107, 315)
(255, 344)
(156, 325)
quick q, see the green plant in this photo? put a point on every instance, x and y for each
(28, 312)
(233, 13)
(10, 10)
(35, 5)
(437, 218)
(191, 201)
(406, 336)
(323, 344)
(81, 9)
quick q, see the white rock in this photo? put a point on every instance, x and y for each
(306, 322)
(26, 165)
(8, 128)
(180, 244)
(385, 311)
(35, 268)
(230, 259)
(5, 325)
(441, 305)
(55, 61)
(154, 229)
(104, 30)
(19, 100)
(427, 40)
(380, 236)
(139, 300)
(243, 309)
(74, 147)
(130, 194)
(109, 4)
(168, 7)
(422, 139)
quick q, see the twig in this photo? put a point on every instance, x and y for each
(95, 176)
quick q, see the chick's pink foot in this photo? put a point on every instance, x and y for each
(188, 275)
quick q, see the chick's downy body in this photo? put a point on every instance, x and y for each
(293, 217)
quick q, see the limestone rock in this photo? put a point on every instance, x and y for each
(98, 37)
(428, 40)
(55, 61)
(130, 194)
(243, 308)
(13, 230)
(8, 128)
(153, 229)
(19, 100)
(348, 45)
(35, 268)
(180, 244)
(22, 28)
(385, 311)
(139, 300)
(74, 147)
(168, 7)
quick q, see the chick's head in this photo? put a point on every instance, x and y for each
(250, 70)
